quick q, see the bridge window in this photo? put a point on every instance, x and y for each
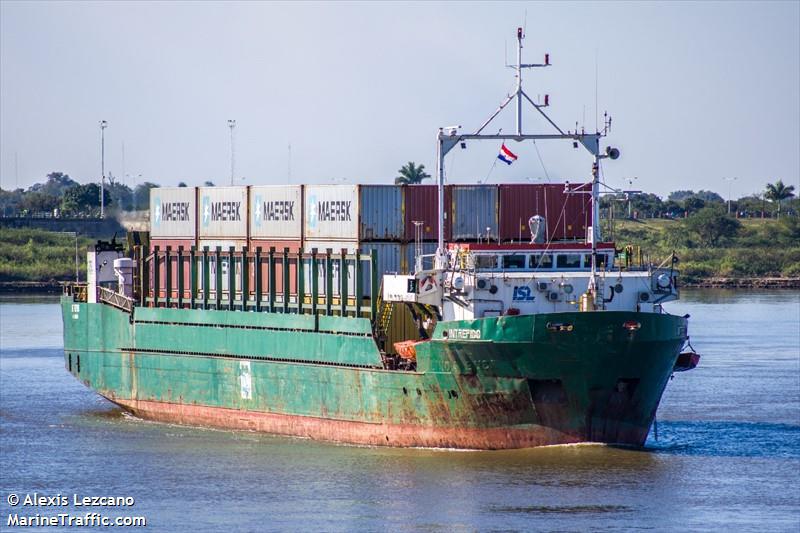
(542, 262)
(568, 261)
(601, 261)
(513, 261)
(485, 261)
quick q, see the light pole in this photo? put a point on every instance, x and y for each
(231, 125)
(103, 126)
(730, 191)
(628, 194)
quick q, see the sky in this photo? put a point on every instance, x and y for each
(700, 92)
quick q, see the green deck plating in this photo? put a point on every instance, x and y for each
(502, 382)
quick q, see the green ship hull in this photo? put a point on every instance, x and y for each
(492, 383)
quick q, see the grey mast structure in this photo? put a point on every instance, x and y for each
(448, 138)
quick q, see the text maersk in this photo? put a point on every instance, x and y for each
(278, 211)
(334, 211)
(175, 212)
(226, 211)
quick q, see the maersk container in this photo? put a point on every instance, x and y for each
(280, 245)
(336, 248)
(353, 213)
(173, 213)
(225, 246)
(475, 210)
(222, 212)
(173, 246)
(422, 205)
(391, 258)
(331, 212)
(276, 212)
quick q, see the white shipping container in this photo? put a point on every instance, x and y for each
(331, 212)
(222, 212)
(173, 213)
(224, 266)
(391, 257)
(276, 212)
(336, 250)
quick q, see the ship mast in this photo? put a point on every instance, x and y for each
(448, 138)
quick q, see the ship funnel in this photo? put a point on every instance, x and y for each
(538, 226)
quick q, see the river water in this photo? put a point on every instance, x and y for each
(727, 454)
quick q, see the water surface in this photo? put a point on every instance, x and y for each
(727, 454)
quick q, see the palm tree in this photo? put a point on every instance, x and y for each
(778, 192)
(411, 174)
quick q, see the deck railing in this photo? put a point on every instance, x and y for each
(333, 283)
(115, 299)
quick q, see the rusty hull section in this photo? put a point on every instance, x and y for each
(503, 382)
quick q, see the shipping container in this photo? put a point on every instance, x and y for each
(223, 212)
(173, 246)
(392, 257)
(381, 213)
(276, 212)
(173, 213)
(225, 246)
(475, 212)
(422, 205)
(518, 203)
(427, 248)
(280, 246)
(336, 248)
(567, 215)
(353, 213)
(331, 212)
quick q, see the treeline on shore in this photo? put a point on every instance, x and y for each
(61, 196)
(712, 246)
(754, 237)
(34, 255)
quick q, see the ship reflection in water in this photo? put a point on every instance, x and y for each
(727, 456)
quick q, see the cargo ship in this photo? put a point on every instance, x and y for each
(474, 317)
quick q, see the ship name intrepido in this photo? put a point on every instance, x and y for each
(464, 334)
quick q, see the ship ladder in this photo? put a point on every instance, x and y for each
(385, 316)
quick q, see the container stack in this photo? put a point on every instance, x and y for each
(397, 222)
(355, 218)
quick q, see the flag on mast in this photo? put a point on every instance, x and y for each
(506, 155)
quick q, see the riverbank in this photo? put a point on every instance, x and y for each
(30, 287)
(744, 283)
